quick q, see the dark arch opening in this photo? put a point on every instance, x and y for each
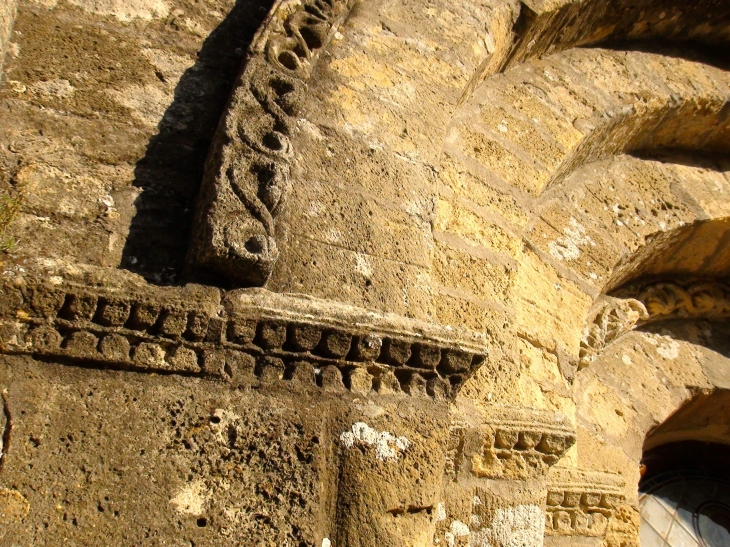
(684, 495)
(684, 492)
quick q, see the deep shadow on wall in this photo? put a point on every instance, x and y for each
(170, 173)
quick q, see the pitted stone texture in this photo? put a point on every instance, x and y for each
(159, 459)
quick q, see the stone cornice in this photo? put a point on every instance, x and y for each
(251, 337)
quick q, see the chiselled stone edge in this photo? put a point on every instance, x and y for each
(582, 502)
(105, 328)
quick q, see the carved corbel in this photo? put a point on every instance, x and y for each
(582, 503)
(513, 443)
(612, 318)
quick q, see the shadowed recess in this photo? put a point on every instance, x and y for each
(170, 173)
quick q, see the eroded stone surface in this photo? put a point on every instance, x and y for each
(495, 268)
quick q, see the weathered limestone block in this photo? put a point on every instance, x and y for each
(489, 512)
(160, 458)
(391, 478)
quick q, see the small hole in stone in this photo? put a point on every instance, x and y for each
(281, 87)
(253, 245)
(265, 175)
(289, 60)
(311, 38)
(215, 419)
(202, 522)
(272, 141)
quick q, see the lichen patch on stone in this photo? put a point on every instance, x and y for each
(387, 446)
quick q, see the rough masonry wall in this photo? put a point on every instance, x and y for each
(500, 267)
(108, 109)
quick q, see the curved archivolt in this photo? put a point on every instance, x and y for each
(530, 127)
(549, 26)
(547, 186)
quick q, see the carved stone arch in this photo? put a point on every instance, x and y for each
(546, 173)
(662, 384)
(532, 126)
(534, 28)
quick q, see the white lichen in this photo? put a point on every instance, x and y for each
(191, 498)
(567, 246)
(669, 349)
(459, 529)
(387, 446)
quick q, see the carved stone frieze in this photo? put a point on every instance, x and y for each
(513, 443)
(247, 174)
(708, 300)
(637, 305)
(581, 503)
(254, 337)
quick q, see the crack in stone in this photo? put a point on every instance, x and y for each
(8, 429)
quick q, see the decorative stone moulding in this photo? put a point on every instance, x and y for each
(638, 305)
(247, 174)
(514, 443)
(256, 337)
(708, 300)
(581, 503)
(612, 318)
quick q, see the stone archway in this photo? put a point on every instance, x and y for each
(684, 494)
